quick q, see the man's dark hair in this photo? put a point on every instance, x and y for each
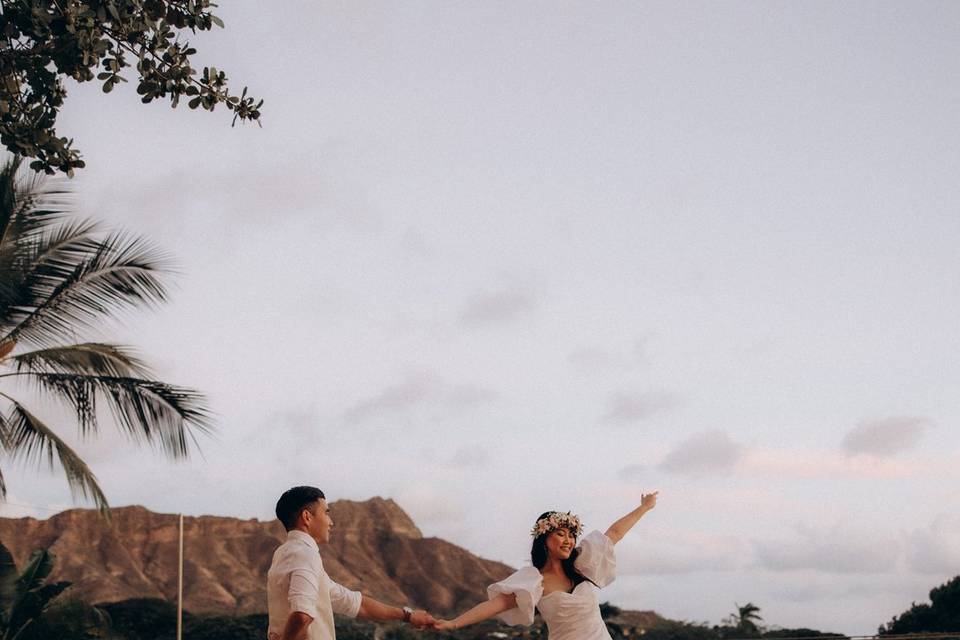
(295, 500)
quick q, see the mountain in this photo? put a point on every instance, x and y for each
(375, 548)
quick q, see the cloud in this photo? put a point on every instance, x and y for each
(936, 549)
(888, 437)
(836, 550)
(703, 453)
(469, 395)
(634, 472)
(261, 193)
(798, 463)
(593, 358)
(418, 390)
(680, 551)
(493, 308)
(469, 456)
(626, 407)
(431, 507)
(404, 394)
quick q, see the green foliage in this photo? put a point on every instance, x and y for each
(677, 630)
(59, 278)
(608, 610)
(69, 620)
(43, 42)
(25, 596)
(143, 619)
(800, 633)
(941, 615)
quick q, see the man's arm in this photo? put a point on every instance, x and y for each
(371, 609)
(296, 628)
(302, 596)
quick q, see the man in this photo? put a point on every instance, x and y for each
(301, 597)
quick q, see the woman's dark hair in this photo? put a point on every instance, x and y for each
(538, 555)
(295, 500)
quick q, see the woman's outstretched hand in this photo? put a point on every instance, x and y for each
(648, 500)
(444, 625)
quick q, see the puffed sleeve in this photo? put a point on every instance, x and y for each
(596, 560)
(527, 585)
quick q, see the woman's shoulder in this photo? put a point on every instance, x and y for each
(595, 538)
(525, 579)
(526, 574)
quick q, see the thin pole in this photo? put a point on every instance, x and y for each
(180, 586)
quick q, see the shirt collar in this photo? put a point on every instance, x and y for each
(303, 537)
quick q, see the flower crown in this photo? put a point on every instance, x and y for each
(557, 520)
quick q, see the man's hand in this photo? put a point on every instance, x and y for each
(422, 620)
(296, 627)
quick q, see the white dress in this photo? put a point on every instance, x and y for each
(569, 616)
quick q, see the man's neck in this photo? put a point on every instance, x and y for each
(300, 534)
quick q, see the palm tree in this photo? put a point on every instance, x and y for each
(59, 278)
(746, 617)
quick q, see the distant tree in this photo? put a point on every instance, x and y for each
(26, 596)
(44, 42)
(608, 610)
(58, 279)
(744, 619)
(941, 615)
(676, 630)
(143, 618)
(800, 633)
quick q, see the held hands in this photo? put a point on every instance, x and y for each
(444, 625)
(422, 620)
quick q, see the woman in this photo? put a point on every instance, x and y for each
(563, 581)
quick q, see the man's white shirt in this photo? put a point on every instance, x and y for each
(297, 581)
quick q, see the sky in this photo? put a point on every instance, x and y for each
(490, 259)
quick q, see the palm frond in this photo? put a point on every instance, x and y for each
(124, 271)
(38, 569)
(34, 441)
(89, 358)
(37, 263)
(28, 202)
(147, 410)
(4, 447)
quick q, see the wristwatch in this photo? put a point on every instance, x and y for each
(407, 614)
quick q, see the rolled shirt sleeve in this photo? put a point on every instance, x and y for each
(304, 591)
(344, 601)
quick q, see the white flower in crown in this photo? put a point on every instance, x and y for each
(557, 520)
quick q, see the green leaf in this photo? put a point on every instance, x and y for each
(8, 579)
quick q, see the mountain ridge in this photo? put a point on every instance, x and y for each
(375, 547)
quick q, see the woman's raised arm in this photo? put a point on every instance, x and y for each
(620, 528)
